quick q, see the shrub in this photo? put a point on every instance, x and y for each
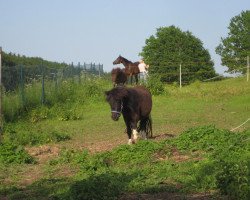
(155, 85)
(11, 153)
(233, 178)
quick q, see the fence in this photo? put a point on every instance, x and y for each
(46, 80)
(184, 77)
(92, 68)
(17, 76)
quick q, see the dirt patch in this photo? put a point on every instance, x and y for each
(163, 136)
(34, 172)
(43, 153)
(102, 146)
(178, 157)
(31, 174)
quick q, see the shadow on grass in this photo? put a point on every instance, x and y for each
(108, 185)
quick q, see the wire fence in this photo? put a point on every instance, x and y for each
(185, 77)
(16, 78)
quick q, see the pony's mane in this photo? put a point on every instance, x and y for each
(118, 93)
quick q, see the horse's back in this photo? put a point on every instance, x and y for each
(144, 99)
(133, 68)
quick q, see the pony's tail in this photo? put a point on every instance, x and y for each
(146, 127)
(149, 131)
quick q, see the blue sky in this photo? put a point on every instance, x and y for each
(99, 30)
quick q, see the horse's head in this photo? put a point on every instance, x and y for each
(118, 60)
(115, 99)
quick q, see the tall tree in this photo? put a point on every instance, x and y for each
(171, 47)
(235, 48)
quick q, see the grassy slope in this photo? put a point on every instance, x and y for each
(224, 104)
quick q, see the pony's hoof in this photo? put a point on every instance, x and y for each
(130, 142)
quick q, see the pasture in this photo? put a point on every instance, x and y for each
(72, 149)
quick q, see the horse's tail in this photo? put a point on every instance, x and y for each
(146, 127)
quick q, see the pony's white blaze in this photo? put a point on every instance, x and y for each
(135, 134)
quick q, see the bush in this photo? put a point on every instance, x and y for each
(11, 153)
(233, 178)
(155, 85)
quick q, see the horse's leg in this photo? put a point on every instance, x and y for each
(135, 134)
(131, 79)
(134, 130)
(136, 79)
(128, 129)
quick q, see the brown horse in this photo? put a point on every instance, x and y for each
(135, 105)
(118, 76)
(131, 69)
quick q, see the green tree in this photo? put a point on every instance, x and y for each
(171, 47)
(235, 48)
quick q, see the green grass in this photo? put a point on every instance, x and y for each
(196, 161)
(81, 120)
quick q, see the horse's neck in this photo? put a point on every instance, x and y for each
(126, 62)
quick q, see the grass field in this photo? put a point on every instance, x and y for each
(78, 152)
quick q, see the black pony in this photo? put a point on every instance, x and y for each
(135, 105)
(118, 77)
(131, 68)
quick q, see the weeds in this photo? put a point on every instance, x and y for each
(20, 134)
(11, 153)
(62, 99)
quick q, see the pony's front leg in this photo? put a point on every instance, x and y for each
(127, 121)
(135, 135)
(134, 130)
(128, 131)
